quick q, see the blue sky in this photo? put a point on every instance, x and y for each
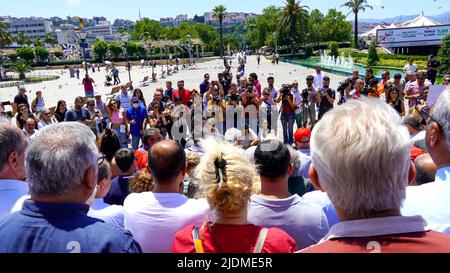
(155, 9)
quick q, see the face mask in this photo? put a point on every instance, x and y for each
(136, 105)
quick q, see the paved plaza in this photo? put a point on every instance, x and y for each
(68, 89)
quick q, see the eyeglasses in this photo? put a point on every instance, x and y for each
(101, 158)
(46, 114)
(429, 118)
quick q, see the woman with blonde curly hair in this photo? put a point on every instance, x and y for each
(226, 178)
(141, 182)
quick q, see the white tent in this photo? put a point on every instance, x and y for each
(421, 21)
(393, 26)
(372, 32)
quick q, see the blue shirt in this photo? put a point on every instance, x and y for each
(125, 99)
(73, 115)
(204, 87)
(11, 192)
(119, 191)
(139, 116)
(61, 228)
(303, 221)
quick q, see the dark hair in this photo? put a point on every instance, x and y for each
(124, 159)
(79, 100)
(150, 133)
(254, 76)
(168, 165)
(109, 143)
(369, 70)
(326, 78)
(207, 74)
(58, 105)
(270, 78)
(310, 78)
(103, 171)
(424, 174)
(373, 82)
(272, 163)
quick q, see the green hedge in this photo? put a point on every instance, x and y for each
(385, 56)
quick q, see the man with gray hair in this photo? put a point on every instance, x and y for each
(365, 177)
(62, 174)
(13, 189)
(432, 200)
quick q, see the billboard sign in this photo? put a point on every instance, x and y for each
(432, 35)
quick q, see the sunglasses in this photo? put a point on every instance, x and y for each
(429, 118)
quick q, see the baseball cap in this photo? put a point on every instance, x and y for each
(97, 94)
(397, 76)
(302, 135)
(135, 99)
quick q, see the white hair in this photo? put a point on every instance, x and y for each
(361, 151)
(58, 157)
(441, 113)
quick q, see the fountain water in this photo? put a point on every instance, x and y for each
(339, 62)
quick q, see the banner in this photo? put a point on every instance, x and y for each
(417, 34)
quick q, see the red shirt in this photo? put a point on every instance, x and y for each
(88, 84)
(184, 95)
(415, 152)
(418, 242)
(220, 238)
(141, 158)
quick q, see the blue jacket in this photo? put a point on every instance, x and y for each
(61, 228)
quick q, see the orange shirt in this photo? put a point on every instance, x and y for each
(141, 158)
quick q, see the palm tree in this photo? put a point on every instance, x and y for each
(21, 68)
(293, 13)
(23, 39)
(5, 36)
(37, 41)
(50, 39)
(356, 6)
(220, 13)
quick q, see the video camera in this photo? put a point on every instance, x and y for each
(286, 89)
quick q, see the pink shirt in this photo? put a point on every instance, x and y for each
(88, 84)
(117, 117)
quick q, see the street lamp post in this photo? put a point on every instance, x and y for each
(189, 48)
(153, 66)
(167, 62)
(82, 36)
(125, 40)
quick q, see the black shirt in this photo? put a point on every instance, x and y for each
(325, 104)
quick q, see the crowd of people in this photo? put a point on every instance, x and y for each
(202, 170)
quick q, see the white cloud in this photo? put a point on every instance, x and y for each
(73, 2)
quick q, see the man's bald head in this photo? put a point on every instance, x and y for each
(425, 168)
(166, 160)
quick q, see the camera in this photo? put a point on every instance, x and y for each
(234, 97)
(286, 89)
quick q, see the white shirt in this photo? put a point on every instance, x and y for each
(420, 136)
(410, 68)
(297, 99)
(318, 80)
(110, 214)
(155, 218)
(432, 201)
(12, 195)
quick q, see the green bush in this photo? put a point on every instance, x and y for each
(444, 55)
(334, 49)
(372, 56)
